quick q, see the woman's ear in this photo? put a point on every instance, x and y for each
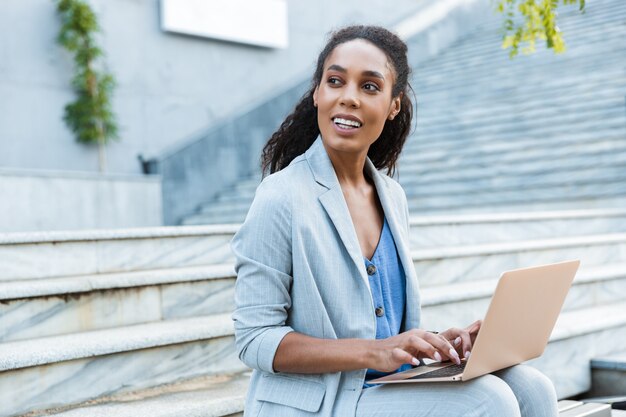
(396, 104)
(315, 96)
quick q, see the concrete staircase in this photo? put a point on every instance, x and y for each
(541, 132)
(137, 322)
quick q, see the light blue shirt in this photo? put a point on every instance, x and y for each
(388, 285)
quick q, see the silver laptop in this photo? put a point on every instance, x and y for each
(522, 313)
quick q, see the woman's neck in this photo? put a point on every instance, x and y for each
(350, 169)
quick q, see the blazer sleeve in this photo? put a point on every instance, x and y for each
(263, 264)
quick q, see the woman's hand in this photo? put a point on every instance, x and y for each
(391, 353)
(463, 339)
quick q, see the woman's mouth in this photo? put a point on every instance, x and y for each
(346, 124)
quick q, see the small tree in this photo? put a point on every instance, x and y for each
(90, 117)
(538, 21)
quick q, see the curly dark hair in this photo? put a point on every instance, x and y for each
(299, 130)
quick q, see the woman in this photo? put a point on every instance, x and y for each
(326, 293)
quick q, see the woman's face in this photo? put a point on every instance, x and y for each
(354, 98)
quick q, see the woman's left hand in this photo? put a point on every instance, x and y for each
(463, 339)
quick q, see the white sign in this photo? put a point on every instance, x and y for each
(256, 22)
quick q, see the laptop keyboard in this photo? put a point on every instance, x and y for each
(451, 370)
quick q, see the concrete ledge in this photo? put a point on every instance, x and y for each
(577, 338)
(78, 175)
(452, 305)
(616, 361)
(608, 375)
(74, 381)
(512, 247)
(32, 200)
(211, 396)
(46, 350)
(11, 290)
(116, 234)
(584, 321)
(464, 291)
(514, 217)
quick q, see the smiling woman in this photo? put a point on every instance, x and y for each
(326, 294)
(388, 71)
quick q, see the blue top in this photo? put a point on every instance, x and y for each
(388, 285)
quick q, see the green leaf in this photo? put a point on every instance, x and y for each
(90, 116)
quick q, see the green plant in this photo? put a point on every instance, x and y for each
(538, 21)
(90, 117)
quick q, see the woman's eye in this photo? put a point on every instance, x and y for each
(334, 81)
(371, 87)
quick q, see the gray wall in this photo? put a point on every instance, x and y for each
(46, 200)
(171, 87)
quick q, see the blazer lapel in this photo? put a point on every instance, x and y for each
(335, 204)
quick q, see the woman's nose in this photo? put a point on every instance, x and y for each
(349, 97)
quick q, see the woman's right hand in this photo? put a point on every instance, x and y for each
(408, 347)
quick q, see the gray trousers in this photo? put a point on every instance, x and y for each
(517, 391)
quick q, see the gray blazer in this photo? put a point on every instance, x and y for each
(300, 268)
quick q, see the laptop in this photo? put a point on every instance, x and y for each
(522, 313)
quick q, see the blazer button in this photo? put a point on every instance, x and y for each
(371, 269)
(380, 311)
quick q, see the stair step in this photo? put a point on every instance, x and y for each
(533, 112)
(579, 336)
(610, 118)
(567, 196)
(477, 150)
(525, 160)
(451, 305)
(456, 230)
(568, 177)
(456, 264)
(59, 370)
(206, 396)
(28, 255)
(55, 306)
(43, 351)
(588, 410)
